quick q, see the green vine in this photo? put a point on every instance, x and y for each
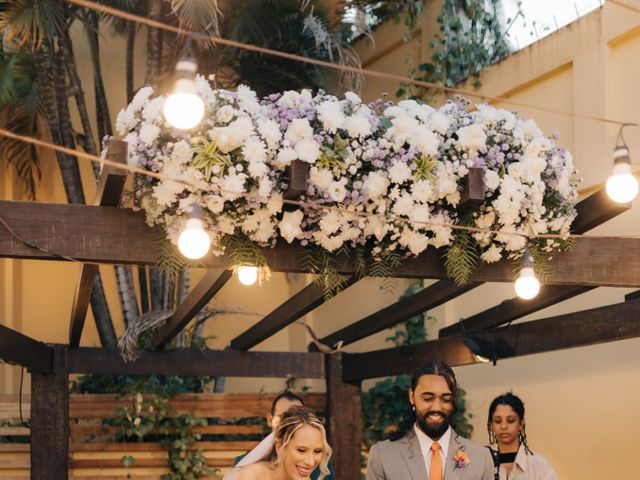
(470, 38)
(147, 416)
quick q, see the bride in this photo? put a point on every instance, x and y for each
(299, 447)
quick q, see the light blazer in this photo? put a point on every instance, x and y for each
(402, 460)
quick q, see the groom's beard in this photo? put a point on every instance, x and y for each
(433, 423)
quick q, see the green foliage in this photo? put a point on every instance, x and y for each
(327, 265)
(461, 258)
(331, 157)
(19, 105)
(209, 160)
(170, 262)
(471, 37)
(386, 405)
(147, 416)
(424, 167)
(243, 252)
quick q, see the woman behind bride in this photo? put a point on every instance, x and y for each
(299, 447)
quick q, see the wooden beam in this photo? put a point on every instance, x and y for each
(473, 189)
(50, 420)
(595, 210)
(297, 174)
(121, 236)
(203, 292)
(592, 211)
(25, 351)
(426, 299)
(108, 193)
(515, 308)
(196, 362)
(589, 327)
(88, 272)
(344, 419)
(306, 300)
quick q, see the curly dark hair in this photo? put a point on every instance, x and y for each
(513, 401)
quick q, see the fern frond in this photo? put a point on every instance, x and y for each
(461, 258)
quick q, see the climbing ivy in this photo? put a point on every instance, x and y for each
(471, 36)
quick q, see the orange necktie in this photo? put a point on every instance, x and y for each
(435, 471)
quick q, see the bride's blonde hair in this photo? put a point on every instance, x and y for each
(291, 421)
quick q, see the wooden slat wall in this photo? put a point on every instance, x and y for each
(93, 457)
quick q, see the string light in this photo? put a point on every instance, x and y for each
(184, 108)
(248, 275)
(194, 241)
(527, 285)
(621, 186)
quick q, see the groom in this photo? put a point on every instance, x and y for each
(429, 448)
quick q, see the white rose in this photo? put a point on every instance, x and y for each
(331, 116)
(298, 129)
(375, 185)
(225, 114)
(321, 178)
(399, 172)
(308, 150)
(472, 137)
(337, 191)
(289, 226)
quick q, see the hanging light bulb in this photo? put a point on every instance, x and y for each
(527, 285)
(184, 108)
(194, 241)
(248, 275)
(622, 186)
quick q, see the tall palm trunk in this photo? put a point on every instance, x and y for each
(103, 117)
(131, 42)
(69, 167)
(154, 40)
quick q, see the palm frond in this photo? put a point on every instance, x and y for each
(32, 21)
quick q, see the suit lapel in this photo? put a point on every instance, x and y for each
(450, 470)
(412, 455)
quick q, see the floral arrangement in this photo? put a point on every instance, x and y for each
(388, 177)
(461, 458)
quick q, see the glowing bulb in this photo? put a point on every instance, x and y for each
(248, 275)
(527, 285)
(622, 186)
(184, 109)
(194, 241)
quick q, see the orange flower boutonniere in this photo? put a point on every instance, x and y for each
(461, 459)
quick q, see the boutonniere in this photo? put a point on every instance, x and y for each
(461, 458)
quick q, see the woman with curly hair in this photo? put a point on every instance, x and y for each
(514, 459)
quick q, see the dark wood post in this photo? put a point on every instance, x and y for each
(50, 420)
(344, 420)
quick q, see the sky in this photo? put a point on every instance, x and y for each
(543, 17)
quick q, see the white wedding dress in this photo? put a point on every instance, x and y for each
(255, 455)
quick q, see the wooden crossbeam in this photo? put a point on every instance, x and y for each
(196, 362)
(18, 348)
(203, 292)
(592, 211)
(426, 299)
(108, 193)
(303, 302)
(598, 325)
(121, 236)
(515, 308)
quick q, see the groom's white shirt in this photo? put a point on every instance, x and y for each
(425, 446)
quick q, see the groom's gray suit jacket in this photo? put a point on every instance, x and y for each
(402, 460)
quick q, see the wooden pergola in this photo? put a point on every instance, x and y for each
(103, 233)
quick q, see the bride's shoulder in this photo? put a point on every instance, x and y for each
(255, 471)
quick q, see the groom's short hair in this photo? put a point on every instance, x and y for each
(436, 367)
(292, 397)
